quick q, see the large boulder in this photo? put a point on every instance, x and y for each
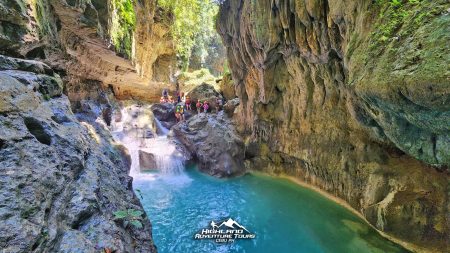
(231, 106)
(165, 113)
(204, 92)
(213, 141)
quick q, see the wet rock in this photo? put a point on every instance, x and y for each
(212, 140)
(165, 113)
(147, 161)
(125, 154)
(34, 74)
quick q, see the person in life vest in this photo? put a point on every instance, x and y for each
(181, 112)
(188, 103)
(178, 113)
(199, 106)
(205, 107)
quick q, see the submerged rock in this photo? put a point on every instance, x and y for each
(213, 141)
(147, 161)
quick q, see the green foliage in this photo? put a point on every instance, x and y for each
(406, 44)
(393, 14)
(130, 216)
(197, 77)
(41, 10)
(193, 28)
(122, 27)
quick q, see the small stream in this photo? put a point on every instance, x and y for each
(180, 201)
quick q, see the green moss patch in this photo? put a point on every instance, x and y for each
(123, 25)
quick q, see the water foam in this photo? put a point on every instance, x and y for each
(131, 131)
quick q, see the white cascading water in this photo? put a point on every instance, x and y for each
(137, 131)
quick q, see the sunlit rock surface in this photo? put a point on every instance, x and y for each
(227, 87)
(73, 38)
(353, 98)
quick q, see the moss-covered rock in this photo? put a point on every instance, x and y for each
(353, 97)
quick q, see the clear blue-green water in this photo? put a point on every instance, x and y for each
(284, 216)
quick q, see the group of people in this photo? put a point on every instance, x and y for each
(166, 98)
(185, 103)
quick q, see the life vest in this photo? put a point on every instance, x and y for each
(205, 106)
(178, 109)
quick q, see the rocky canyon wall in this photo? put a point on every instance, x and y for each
(76, 39)
(62, 176)
(352, 97)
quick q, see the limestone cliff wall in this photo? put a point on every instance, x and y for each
(73, 37)
(352, 97)
(61, 175)
(61, 180)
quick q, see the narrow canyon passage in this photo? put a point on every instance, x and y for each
(224, 126)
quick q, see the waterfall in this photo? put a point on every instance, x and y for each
(170, 164)
(168, 159)
(160, 128)
(138, 130)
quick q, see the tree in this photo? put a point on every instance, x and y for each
(193, 28)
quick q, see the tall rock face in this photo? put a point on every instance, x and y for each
(352, 97)
(61, 180)
(61, 175)
(85, 40)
